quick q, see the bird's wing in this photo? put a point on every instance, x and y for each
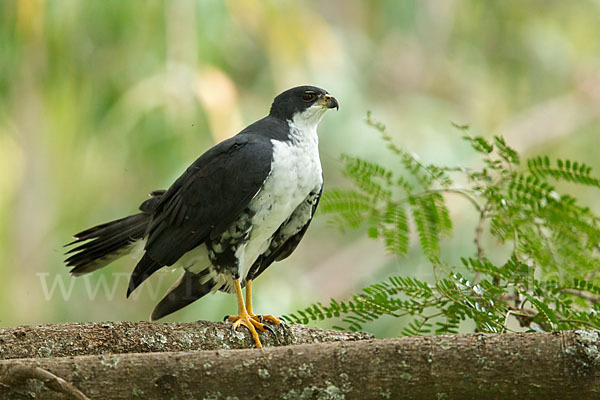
(204, 201)
(288, 235)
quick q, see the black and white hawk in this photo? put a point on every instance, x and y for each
(239, 207)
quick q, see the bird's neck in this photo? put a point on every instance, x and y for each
(304, 133)
(303, 126)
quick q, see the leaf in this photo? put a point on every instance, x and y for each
(505, 152)
(479, 144)
(553, 272)
(396, 230)
(570, 171)
(462, 127)
(432, 220)
(543, 309)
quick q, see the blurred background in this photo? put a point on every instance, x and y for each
(103, 101)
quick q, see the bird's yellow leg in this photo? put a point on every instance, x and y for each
(249, 298)
(259, 318)
(244, 318)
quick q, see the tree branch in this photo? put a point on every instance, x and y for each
(17, 374)
(561, 365)
(593, 298)
(77, 339)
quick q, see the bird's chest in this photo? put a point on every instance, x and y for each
(295, 173)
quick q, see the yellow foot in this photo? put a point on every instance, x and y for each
(262, 318)
(252, 323)
(270, 318)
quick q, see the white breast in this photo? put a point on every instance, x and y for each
(295, 173)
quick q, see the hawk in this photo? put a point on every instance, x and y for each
(242, 205)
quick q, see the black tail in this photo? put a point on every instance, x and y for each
(142, 271)
(189, 288)
(102, 244)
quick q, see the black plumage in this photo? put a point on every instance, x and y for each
(228, 198)
(200, 204)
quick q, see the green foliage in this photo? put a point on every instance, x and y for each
(550, 280)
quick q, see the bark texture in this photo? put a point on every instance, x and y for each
(562, 365)
(78, 339)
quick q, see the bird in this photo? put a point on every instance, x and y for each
(239, 207)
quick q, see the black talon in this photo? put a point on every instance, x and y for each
(268, 328)
(231, 330)
(226, 318)
(260, 318)
(283, 321)
(284, 327)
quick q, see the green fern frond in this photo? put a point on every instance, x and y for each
(546, 313)
(432, 220)
(505, 152)
(479, 144)
(366, 174)
(551, 279)
(396, 230)
(345, 200)
(418, 327)
(567, 170)
(426, 175)
(371, 303)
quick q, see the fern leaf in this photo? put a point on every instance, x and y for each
(505, 152)
(546, 312)
(479, 144)
(566, 170)
(427, 233)
(396, 231)
(432, 220)
(366, 176)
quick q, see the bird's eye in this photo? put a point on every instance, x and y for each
(309, 96)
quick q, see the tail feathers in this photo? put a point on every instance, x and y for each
(104, 243)
(142, 271)
(189, 288)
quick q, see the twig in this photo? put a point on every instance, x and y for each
(478, 234)
(466, 195)
(594, 298)
(21, 373)
(525, 317)
(462, 192)
(577, 321)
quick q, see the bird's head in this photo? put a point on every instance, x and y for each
(303, 104)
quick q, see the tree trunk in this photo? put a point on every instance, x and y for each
(562, 365)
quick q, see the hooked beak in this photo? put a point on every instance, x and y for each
(328, 101)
